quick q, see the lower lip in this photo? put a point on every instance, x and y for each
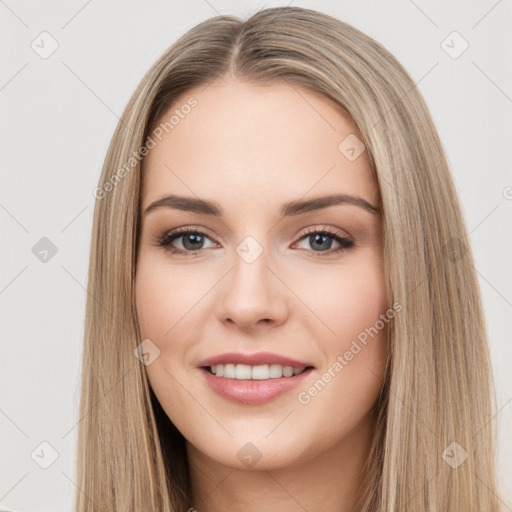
(253, 392)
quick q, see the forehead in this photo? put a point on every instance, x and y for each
(252, 142)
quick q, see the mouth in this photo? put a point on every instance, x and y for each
(259, 372)
(234, 378)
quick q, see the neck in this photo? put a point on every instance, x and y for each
(332, 479)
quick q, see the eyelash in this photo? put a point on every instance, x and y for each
(165, 241)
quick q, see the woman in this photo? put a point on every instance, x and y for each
(283, 312)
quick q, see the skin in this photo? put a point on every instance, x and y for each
(251, 148)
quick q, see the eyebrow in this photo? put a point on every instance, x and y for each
(291, 208)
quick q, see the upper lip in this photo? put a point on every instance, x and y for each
(256, 359)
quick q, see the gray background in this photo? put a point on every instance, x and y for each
(58, 115)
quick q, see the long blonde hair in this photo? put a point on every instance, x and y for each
(437, 398)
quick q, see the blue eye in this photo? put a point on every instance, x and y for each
(193, 240)
(321, 241)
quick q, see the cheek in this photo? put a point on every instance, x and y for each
(362, 300)
(348, 299)
(350, 380)
(350, 302)
(164, 307)
(163, 298)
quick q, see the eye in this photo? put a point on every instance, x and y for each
(321, 241)
(192, 240)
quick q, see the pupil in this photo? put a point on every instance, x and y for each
(192, 239)
(314, 240)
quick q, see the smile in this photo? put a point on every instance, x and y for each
(260, 372)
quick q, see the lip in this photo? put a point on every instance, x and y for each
(253, 392)
(252, 360)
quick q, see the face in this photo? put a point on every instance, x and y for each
(259, 286)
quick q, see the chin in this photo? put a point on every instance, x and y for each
(259, 454)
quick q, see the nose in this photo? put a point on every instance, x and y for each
(252, 296)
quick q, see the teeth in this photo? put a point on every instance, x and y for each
(243, 371)
(276, 371)
(262, 372)
(229, 371)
